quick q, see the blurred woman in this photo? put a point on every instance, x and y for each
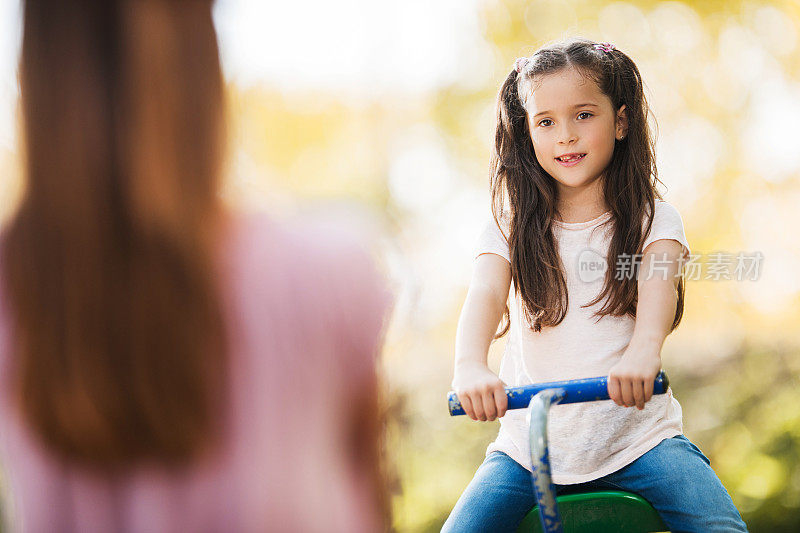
(165, 363)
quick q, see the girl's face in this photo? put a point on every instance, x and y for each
(573, 126)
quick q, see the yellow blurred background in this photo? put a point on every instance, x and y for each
(386, 111)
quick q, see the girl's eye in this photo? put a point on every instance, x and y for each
(542, 122)
(584, 113)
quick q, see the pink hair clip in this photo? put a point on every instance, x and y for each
(520, 63)
(605, 47)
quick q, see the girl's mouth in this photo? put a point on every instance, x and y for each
(570, 160)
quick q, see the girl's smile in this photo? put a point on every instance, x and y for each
(570, 160)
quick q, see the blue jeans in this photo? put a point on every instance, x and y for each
(675, 477)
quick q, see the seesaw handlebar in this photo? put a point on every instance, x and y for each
(578, 390)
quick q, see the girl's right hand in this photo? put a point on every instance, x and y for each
(481, 393)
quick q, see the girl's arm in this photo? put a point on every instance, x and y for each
(479, 390)
(630, 381)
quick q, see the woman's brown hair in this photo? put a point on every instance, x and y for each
(518, 178)
(108, 261)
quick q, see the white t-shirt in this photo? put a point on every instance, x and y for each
(586, 440)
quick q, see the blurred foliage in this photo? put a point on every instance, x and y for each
(743, 413)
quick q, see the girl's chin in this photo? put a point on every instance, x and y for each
(573, 181)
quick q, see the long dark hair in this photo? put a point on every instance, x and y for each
(532, 195)
(108, 262)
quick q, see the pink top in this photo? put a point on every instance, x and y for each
(305, 306)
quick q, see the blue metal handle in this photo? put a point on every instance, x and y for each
(543, 486)
(578, 390)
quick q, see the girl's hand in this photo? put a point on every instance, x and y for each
(630, 381)
(480, 391)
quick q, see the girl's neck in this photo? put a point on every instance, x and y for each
(581, 207)
(581, 204)
(577, 215)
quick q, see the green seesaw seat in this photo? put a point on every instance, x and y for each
(602, 511)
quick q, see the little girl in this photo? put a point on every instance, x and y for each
(591, 257)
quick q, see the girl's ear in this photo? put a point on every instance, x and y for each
(622, 122)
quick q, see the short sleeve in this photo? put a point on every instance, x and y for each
(492, 241)
(362, 299)
(365, 309)
(348, 289)
(667, 224)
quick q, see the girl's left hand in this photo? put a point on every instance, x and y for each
(630, 381)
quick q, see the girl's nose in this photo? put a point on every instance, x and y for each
(566, 136)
